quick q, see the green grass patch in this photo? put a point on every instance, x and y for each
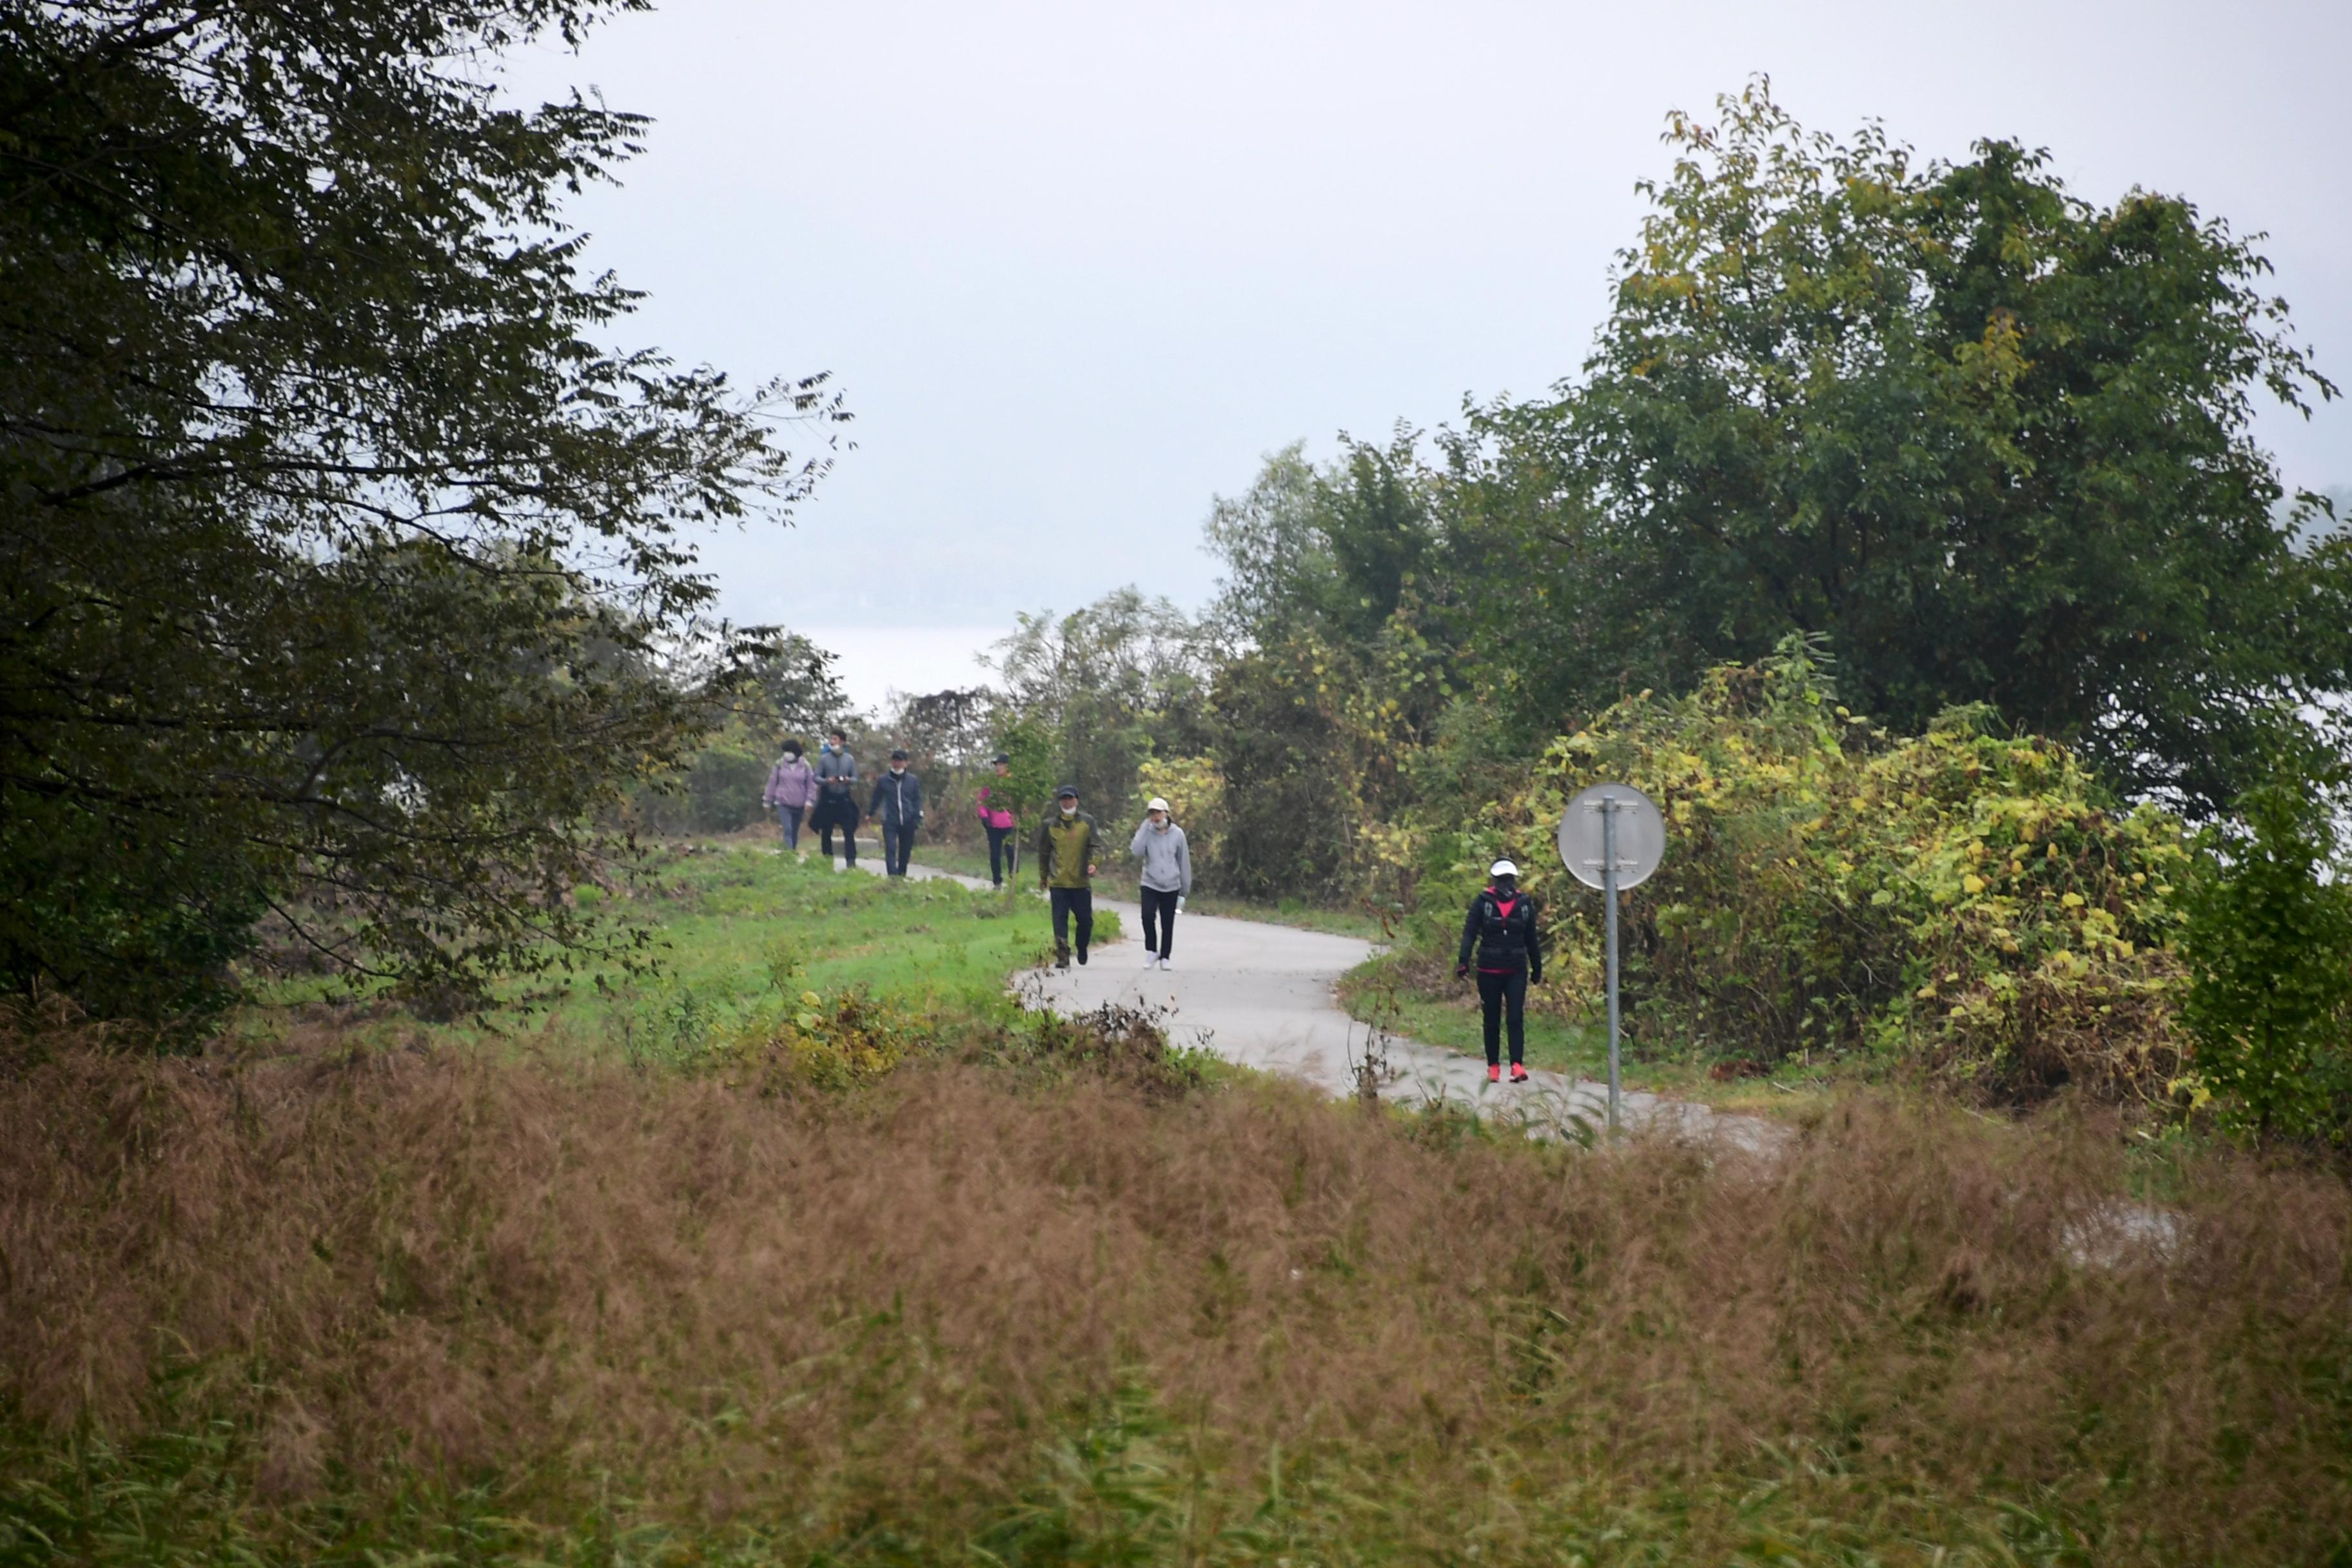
(734, 928)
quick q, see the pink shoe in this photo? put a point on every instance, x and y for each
(1494, 1073)
(1519, 1073)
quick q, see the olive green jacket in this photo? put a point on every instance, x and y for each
(1064, 846)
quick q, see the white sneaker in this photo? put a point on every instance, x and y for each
(1167, 963)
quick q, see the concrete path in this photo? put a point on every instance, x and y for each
(1261, 995)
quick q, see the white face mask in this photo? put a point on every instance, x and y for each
(1069, 808)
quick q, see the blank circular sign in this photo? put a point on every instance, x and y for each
(1640, 835)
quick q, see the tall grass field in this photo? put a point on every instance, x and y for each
(902, 1275)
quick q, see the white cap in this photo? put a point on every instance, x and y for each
(1502, 869)
(1156, 805)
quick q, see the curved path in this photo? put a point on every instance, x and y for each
(1261, 996)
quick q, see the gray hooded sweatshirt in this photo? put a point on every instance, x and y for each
(1167, 859)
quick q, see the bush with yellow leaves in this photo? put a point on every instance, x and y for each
(1965, 899)
(812, 1042)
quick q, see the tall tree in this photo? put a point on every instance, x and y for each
(340, 558)
(1112, 683)
(1994, 439)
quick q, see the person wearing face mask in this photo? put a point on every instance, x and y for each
(1501, 925)
(837, 799)
(1167, 880)
(1066, 869)
(995, 803)
(791, 785)
(897, 804)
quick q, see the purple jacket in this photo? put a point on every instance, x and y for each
(792, 781)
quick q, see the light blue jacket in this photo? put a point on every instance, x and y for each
(1167, 859)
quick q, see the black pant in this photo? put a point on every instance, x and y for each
(1159, 918)
(1004, 850)
(1494, 990)
(897, 845)
(832, 814)
(1069, 901)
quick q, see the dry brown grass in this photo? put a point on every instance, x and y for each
(823, 1314)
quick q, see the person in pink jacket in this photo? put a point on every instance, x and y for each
(791, 785)
(995, 803)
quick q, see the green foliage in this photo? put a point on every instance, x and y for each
(341, 575)
(1961, 899)
(1993, 440)
(808, 1040)
(1289, 818)
(1337, 673)
(1032, 761)
(1110, 683)
(717, 790)
(2268, 945)
(795, 690)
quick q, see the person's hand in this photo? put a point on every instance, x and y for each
(1090, 868)
(1460, 971)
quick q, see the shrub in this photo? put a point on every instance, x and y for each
(1965, 899)
(2268, 945)
(1124, 1045)
(810, 1042)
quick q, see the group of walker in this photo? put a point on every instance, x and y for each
(826, 795)
(1499, 931)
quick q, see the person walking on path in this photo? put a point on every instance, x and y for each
(996, 806)
(791, 785)
(1066, 869)
(836, 797)
(1167, 880)
(1502, 925)
(897, 804)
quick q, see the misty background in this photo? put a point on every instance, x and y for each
(1077, 268)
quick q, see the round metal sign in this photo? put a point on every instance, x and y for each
(1638, 831)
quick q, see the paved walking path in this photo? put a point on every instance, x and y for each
(1261, 995)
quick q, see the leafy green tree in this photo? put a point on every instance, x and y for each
(796, 687)
(1111, 682)
(1995, 441)
(1290, 816)
(1335, 552)
(1031, 760)
(2269, 949)
(342, 564)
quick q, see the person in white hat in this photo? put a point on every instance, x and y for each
(1502, 926)
(1167, 860)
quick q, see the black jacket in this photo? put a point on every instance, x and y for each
(897, 798)
(1508, 943)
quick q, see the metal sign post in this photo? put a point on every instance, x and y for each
(1608, 897)
(1612, 837)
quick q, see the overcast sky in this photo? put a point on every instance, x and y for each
(1077, 267)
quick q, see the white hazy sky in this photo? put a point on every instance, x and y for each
(1080, 266)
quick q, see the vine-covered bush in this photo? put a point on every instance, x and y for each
(1962, 898)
